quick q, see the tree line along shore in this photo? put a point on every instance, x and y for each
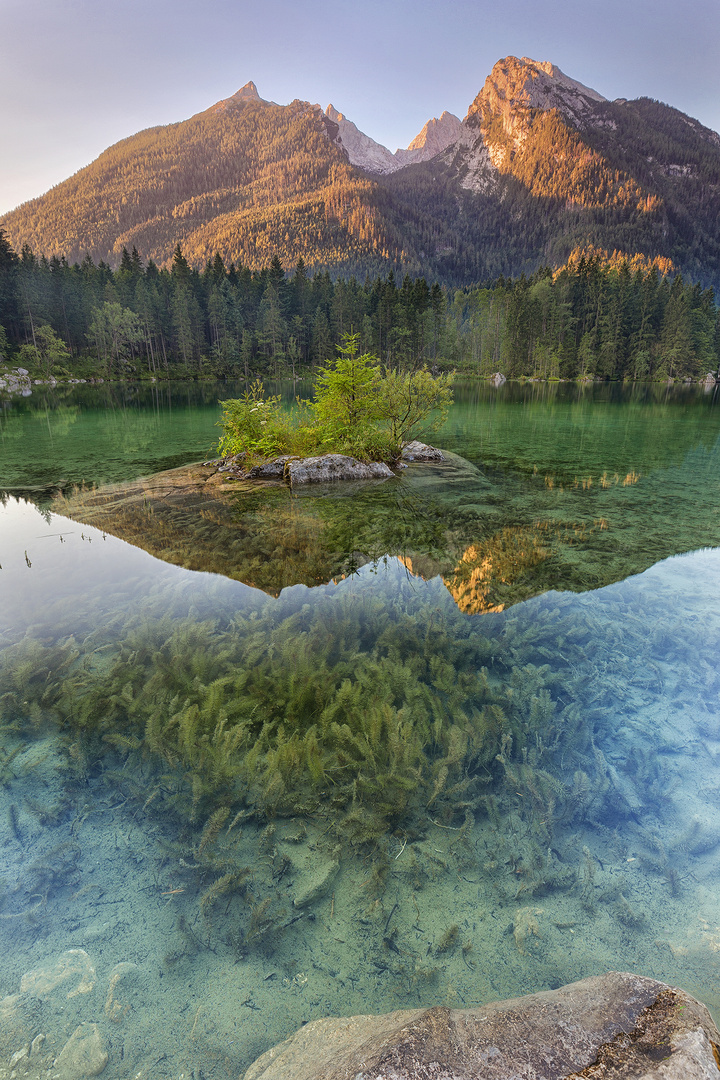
(600, 317)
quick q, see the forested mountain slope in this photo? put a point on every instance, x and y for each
(542, 167)
(248, 178)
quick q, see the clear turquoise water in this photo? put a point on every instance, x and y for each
(486, 802)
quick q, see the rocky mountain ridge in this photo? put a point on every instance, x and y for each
(363, 151)
(541, 166)
(513, 87)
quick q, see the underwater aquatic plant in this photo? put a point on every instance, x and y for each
(370, 716)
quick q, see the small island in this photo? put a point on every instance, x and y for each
(358, 427)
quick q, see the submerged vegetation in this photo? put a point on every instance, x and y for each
(358, 409)
(375, 711)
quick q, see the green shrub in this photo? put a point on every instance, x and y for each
(408, 397)
(357, 410)
(370, 444)
(261, 428)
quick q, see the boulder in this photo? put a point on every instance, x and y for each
(498, 379)
(83, 1055)
(419, 451)
(309, 470)
(73, 972)
(16, 381)
(316, 883)
(319, 470)
(601, 1028)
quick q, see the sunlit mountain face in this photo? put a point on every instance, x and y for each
(541, 167)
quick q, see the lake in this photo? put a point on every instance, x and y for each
(270, 755)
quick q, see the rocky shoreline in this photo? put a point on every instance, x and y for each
(19, 383)
(324, 468)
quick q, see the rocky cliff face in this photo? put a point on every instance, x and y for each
(436, 136)
(360, 148)
(514, 86)
(372, 156)
(500, 119)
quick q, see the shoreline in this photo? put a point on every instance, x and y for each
(17, 382)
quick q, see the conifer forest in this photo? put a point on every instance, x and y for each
(598, 317)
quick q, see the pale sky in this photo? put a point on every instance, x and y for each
(78, 75)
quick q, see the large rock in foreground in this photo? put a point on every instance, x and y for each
(310, 470)
(603, 1028)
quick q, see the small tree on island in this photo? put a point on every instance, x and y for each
(408, 398)
(358, 410)
(346, 391)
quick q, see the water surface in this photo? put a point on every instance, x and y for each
(339, 781)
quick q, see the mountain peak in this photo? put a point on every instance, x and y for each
(561, 80)
(500, 120)
(436, 136)
(376, 158)
(532, 84)
(359, 147)
(246, 93)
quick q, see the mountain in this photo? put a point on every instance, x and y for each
(540, 168)
(246, 177)
(548, 167)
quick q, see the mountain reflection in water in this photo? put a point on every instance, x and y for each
(494, 537)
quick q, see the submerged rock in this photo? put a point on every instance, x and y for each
(610, 1026)
(72, 968)
(316, 883)
(117, 1006)
(83, 1055)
